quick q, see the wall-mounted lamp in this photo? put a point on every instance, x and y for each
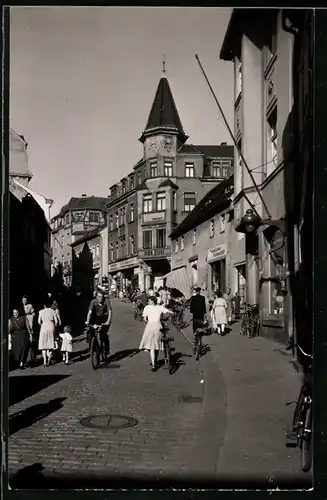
(250, 222)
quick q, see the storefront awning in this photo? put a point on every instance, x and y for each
(181, 279)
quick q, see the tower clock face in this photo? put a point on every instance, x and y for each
(168, 144)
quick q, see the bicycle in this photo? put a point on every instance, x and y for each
(250, 321)
(198, 334)
(167, 346)
(97, 348)
(301, 433)
(178, 317)
(138, 311)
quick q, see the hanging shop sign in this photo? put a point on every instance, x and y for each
(124, 264)
(216, 253)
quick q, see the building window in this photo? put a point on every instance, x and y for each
(189, 170)
(176, 246)
(161, 238)
(153, 169)
(97, 250)
(189, 201)
(161, 202)
(194, 237)
(94, 217)
(124, 187)
(111, 223)
(117, 220)
(117, 250)
(122, 216)
(93, 251)
(225, 168)
(212, 228)
(147, 240)
(271, 142)
(147, 203)
(67, 219)
(111, 252)
(139, 178)
(168, 168)
(131, 213)
(132, 244)
(182, 243)
(222, 223)
(216, 169)
(131, 182)
(174, 201)
(78, 216)
(239, 78)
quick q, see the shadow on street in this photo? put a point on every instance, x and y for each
(27, 417)
(126, 353)
(22, 387)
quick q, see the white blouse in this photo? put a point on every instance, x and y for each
(153, 312)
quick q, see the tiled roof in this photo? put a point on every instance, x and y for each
(85, 203)
(88, 235)
(218, 151)
(164, 111)
(216, 200)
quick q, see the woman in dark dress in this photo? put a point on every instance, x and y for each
(19, 338)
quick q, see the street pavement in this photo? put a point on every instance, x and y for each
(220, 419)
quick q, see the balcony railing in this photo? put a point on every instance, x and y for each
(154, 252)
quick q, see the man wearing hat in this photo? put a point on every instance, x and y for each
(198, 309)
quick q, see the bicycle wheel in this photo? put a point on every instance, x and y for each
(169, 359)
(306, 441)
(95, 353)
(250, 328)
(243, 330)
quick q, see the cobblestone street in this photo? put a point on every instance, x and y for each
(187, 424)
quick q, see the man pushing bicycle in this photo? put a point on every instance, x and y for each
(100, 313)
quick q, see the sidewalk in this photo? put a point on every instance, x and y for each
(260, 386)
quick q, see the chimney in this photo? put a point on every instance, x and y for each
(223, 144)
(84, 195)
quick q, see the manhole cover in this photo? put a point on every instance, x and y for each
(191, 399)
(108, 422)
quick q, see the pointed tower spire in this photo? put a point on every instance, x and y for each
(164, 117)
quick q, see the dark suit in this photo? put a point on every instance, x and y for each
(198, 310)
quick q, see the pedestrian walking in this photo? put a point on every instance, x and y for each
(212, 317)
(150, 341)
(198, 309)
(229, 302)
(19, 338)
(67, 343)
(29, 312)
(219, 310)
(237, 305)
(48, 321)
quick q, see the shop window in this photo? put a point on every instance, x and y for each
(189, 201)
(168, 168)
(194, 237)
(161, 202)
(131, 213)
(153, 169)
(212, 228)
(222, 219)
(132, 244)
(147, 203)
(147, 240)
(182, 243)
(189, 170)
(161, 238)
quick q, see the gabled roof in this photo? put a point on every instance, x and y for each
(164, 114)
(92, 233)
(216, 200)
(84, 203)
(218, 151)
(168, 183)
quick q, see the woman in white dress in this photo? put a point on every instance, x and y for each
(152, 314)
(48, 320)
(219, 308)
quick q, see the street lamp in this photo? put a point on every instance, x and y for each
(250, 222)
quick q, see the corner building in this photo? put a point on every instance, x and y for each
(165, 186)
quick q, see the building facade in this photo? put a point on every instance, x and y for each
(29, 229)
(165, 186)
(261, 43)
(75, 219)
(201, 244)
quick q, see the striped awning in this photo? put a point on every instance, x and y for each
(181, 279)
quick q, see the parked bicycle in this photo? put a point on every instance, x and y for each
(178, 317)
(138, 310)
(167, 341)
(250, 321)
(301, 433)
(97, 345)
(198, 348)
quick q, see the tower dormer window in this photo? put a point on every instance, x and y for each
(189, 169)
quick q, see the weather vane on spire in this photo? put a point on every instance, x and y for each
(163, 64)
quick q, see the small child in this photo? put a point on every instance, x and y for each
(67, 343)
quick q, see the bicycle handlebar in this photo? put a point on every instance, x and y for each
(304, 353)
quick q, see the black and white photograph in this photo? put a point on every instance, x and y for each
(160, 248)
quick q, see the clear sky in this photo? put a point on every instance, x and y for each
(82, 81)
